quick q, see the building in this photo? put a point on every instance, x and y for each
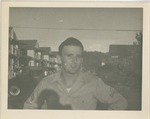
(45, 56)
(13, 54)
(122, 51)
(29, 55)
(25, 55)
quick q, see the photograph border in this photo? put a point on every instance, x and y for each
(77, 114)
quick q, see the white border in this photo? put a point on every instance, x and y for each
(75, 0)
(46, 114)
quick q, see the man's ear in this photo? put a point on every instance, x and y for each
(59, 58)
(82, 60)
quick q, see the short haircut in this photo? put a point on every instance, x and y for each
(70, 41)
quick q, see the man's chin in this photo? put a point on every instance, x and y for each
(73, 71)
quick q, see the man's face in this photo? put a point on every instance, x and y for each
(72, 59)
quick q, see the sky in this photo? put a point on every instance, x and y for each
(96, 28)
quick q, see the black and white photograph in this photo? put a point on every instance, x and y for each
(75, 58)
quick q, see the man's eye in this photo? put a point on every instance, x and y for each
(69, 55)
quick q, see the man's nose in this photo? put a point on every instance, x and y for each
(74, 59)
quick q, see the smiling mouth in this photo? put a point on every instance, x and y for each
(74, 66)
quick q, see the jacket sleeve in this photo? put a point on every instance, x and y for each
(107, 94)
(32, 101)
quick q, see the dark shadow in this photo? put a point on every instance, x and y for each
(52, 100)
(101, 106)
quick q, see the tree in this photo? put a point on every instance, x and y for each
(139, 37)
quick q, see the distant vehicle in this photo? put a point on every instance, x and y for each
(21, 87)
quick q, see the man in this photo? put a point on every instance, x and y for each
(81, 90)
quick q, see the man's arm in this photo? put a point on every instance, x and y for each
(32, 101)
(109, 95)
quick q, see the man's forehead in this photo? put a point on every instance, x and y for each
(72, 48)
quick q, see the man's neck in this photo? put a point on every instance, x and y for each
(68, 78)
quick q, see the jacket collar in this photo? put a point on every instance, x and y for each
(76, 86)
